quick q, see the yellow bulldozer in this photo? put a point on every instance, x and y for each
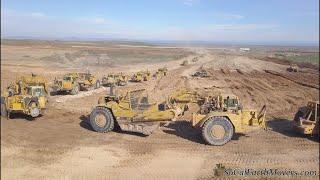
(74, 82)
(219, 118)
(306, 120)
(161, 72)
(119, 79)
(141, 76)
(28, 95)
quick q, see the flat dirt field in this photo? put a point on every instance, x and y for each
(62, 145)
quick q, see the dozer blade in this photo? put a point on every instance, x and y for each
(143, 128)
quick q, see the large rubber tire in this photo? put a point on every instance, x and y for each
(101, 112)
(75, 90)
(97, 84)
(34, 110)
(53, 93)
(207, 132)
(4, 112)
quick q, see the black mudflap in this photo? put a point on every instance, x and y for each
(139, 127)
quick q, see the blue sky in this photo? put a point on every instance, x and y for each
(260, 21)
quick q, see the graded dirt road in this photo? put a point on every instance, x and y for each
(62, 145)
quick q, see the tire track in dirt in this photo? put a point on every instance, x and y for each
(293, 80)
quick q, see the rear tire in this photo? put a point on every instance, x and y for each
(4, 112)
(34, 110)
(53, 93)
(208, 131)
(97, 84)
(75, 90)
(101, 120)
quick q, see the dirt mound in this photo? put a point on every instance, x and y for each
(245, 64)
(288, 62)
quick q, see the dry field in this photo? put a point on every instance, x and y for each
(62, 145)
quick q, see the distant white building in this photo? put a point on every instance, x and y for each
(244, 49)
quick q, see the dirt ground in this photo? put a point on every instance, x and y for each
(61, 144)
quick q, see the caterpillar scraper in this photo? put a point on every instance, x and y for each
(161, 72)
(141, 76)
(131, 111)
(28, 95)
(219, 118)
(115, 79)
(306, 120)
(74, 82)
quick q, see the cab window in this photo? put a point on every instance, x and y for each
(231, 102)
(35, 92)
(67, 78)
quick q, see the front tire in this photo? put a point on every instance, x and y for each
(97, 84)
(4, 112)
(217, 131)
(101, 120)
(34, 110)
(53, 93)
(75, 90)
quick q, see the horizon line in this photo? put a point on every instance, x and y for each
(177, 42)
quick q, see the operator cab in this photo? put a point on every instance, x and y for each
(37, 91)
(230, 102)
(312, 113)
(138, 99)
(67, 78)
(88, 77)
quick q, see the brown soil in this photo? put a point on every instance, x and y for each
(61, 144)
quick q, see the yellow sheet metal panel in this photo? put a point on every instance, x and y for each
(236, 121)
(42, 102)
(120, 111)
(197, 119)
(66, 85)
(154, 115)
(17, 106)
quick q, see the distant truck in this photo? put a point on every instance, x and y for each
(74, 82)
(28, 95)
